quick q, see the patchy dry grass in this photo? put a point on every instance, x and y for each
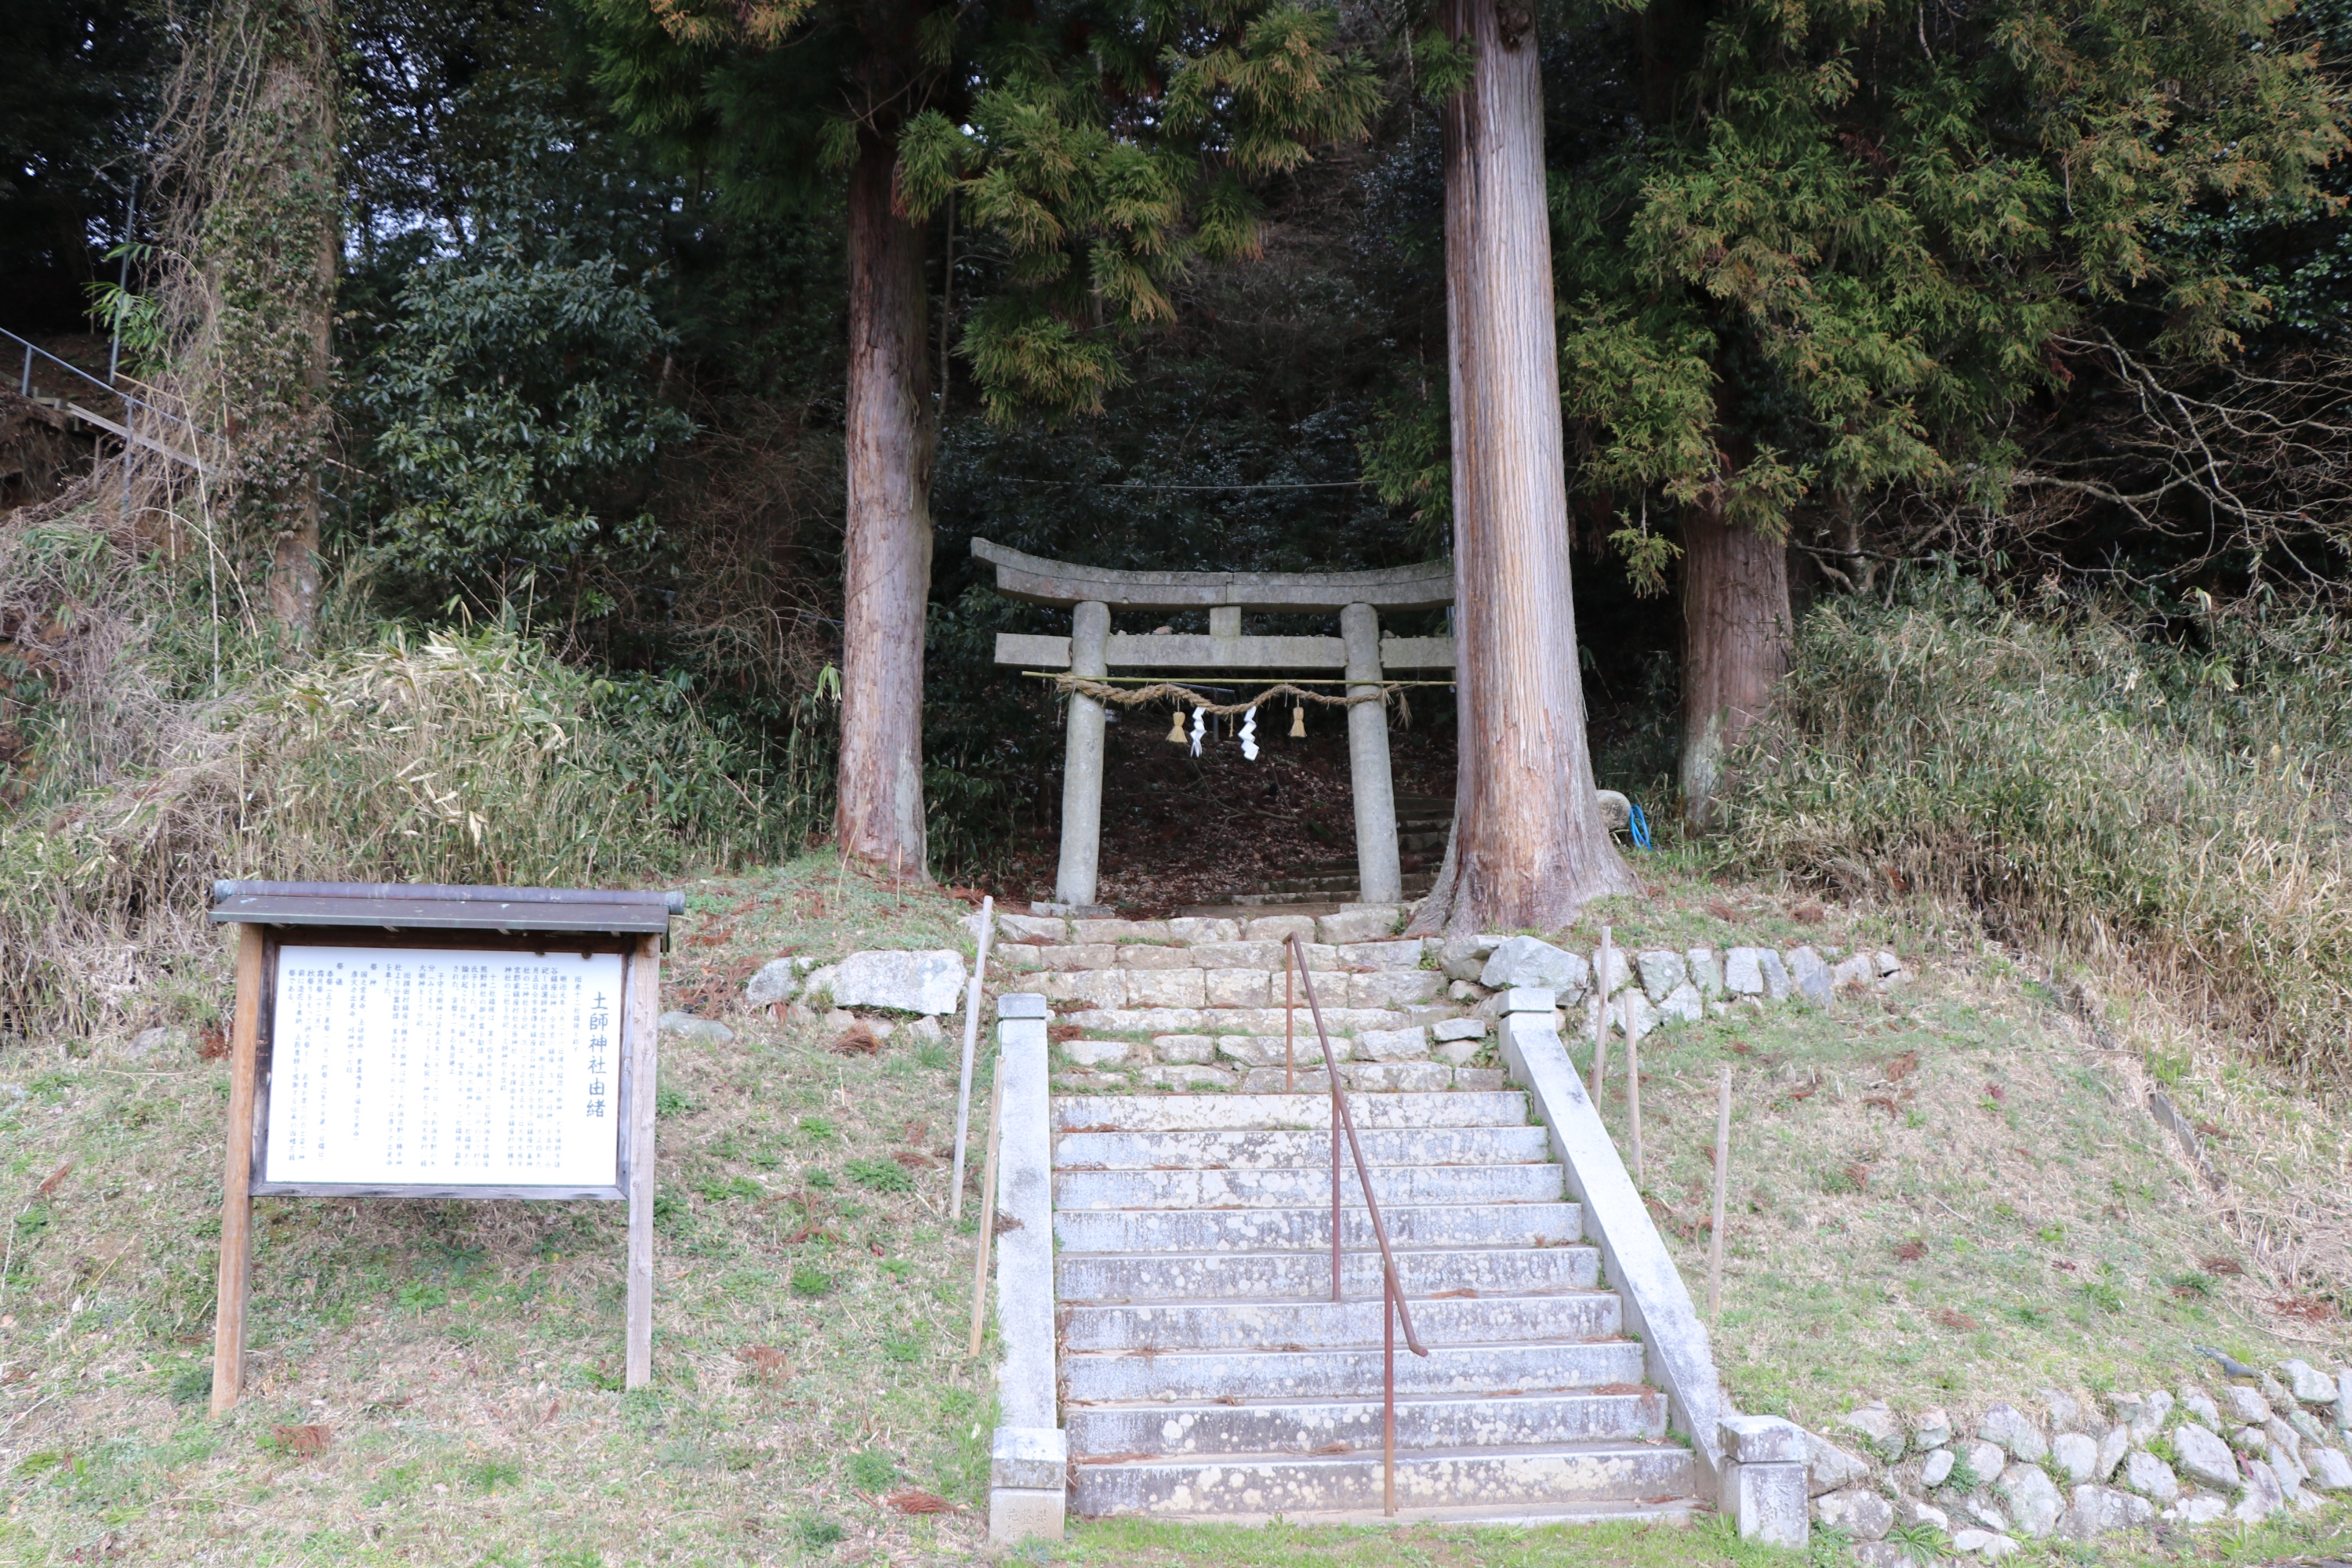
(456, 1366)
(1955, 1193)
(435, 1382)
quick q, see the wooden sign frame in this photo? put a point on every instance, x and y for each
(272, 915)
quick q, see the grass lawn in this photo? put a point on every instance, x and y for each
(435, 1382)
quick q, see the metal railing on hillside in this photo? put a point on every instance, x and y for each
(1392, 1308)
(132, 408)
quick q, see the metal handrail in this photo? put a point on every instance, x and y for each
(25, 386)
(1392, 1308)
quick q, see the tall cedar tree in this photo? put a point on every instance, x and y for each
(1105, 144)
(1530, 846)
(1831, 260)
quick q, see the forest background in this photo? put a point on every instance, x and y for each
(2010, 336)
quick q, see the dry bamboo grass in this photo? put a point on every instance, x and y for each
(448, 757)
(2170, 792)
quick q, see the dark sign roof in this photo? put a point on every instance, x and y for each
(402, 907)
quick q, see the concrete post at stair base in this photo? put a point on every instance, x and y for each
(1082, 763)
(1764, 1488)
(1028, 1455)
(1379, 878)
(1028, 1483)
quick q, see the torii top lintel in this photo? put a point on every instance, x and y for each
(1427, 586)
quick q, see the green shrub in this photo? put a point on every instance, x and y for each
(2169, 785)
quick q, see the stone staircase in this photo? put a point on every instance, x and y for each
(1423, 823)
(1206, 1372)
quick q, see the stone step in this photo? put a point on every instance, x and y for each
(1301, 1427)
(1087, 1277)
(1226, 1020)
(1301, 1112)
(1163, 1327)
(1293, 1185)
(1258, 1231)
(1526, 1367)
(1235, 1149)
(1258, 991)
(1548, 1477)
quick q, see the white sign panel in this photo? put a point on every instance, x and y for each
(427, 1066)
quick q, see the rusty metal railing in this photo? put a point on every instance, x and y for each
(1392, 1308)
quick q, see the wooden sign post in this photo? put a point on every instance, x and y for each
(431, 1042)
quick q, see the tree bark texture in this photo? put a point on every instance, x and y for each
(1530, 846)
(1736, 643)
(887, 558)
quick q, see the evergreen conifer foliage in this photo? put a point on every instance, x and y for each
(1104, 145)
(1836, 253)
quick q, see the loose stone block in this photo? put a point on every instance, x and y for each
(1660, 972)
(1743, 972)
(1032, 928)
(1391, 1044)
(1089, 1078)
(2199, 1404)
(1631, 1012)
(2331, 1471)
(1194, 930)
(2247, 1405)
(1811, 975)
(2151, 1477)
(1241, 988)
(1144, 957)
(1525, 961)
(1104, 1053)
(2075, 1454)
(1830, 1466)
(1087, 956)
(1859, 1511)
(1705, 971)
(1166, 988)
(1486, 1080)
(1986, 1460)
(1776, 984)
(2307, 1383)
(2204, 1458)
(1620, 970)
(1396, 1077)
(2112, 1449)
(922, 982)
(1394, 987)
(2032, 1497)
(1464, 957)
(1118, 931)
(1939, 1465)
(1879, 1429)
(1931, 1429)
(2102, 1510)
(1362, 922)
(1459, 1029)
(1265, 1051)
(1682, 1005)
(1184, 1076)
(1453, 1053)
(1101, 988)
(695, 1031)
(2262, 1496)
(1269, 1080)
(1857, 972)
(1401, 954)
(1195, 1050)
(1280, 928)
(1259, 955)
(2153, 1409)
(2015, 1432)
(1985, 1543)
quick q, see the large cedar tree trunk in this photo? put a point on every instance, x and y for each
(1735, 631)
(1530, 846)
(886, 559)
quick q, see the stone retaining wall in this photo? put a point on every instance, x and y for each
(2074, 1468)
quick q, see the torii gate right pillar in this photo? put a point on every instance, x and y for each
(1379, 878)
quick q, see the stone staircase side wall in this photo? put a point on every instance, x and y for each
(1677, 1354)
(1028, 1486)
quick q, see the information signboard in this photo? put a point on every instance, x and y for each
(401, 1042)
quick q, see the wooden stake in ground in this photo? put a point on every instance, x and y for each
(1722, 1183)
(644, 1034)
(1530, 846)
(970, 1040)
(1601, 1022)
(237, 1177)
(1634, 1097)
(987, 1220)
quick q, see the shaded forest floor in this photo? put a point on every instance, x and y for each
(455, 1365)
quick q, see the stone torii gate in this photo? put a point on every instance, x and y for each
(1359, 653)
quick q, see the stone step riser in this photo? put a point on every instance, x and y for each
(1278, 1113)
(1100, 1431)
(1348, 1373)
(1262, 1151)
(1309, 1229)
(1274, 1276)
(1221, 989)
(1310, 1485)
(1229, 1020)
(1295, 1186)
(1338, 1325)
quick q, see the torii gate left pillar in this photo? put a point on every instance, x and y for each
(1093, 649)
